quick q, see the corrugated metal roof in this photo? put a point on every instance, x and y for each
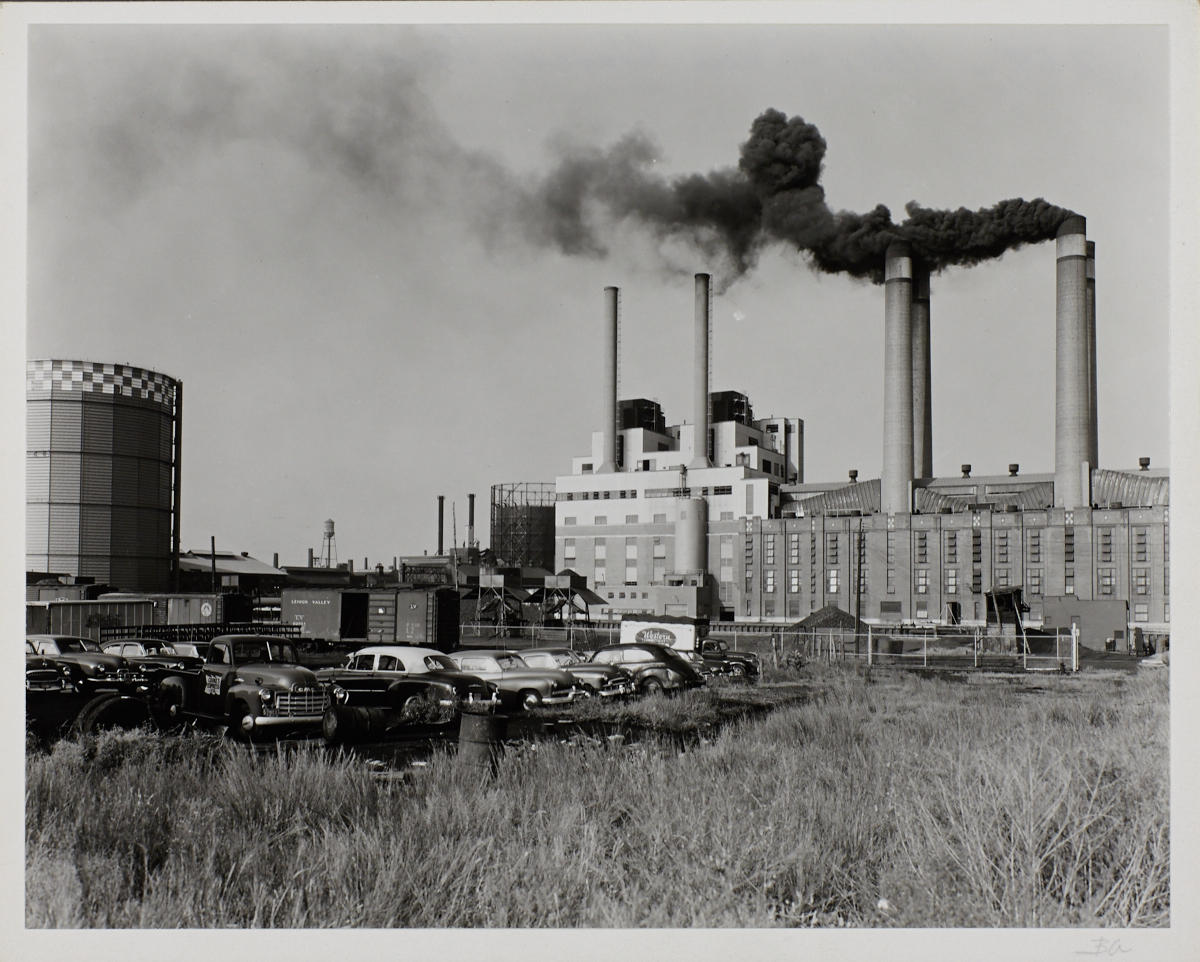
(862, 496)
(227, 564)
(1136, 489)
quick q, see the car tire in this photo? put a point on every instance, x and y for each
(111, 710)
(737, 671)
(652, 686)
(530, 699)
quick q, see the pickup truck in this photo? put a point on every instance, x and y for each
(725, 660)
(251, 683)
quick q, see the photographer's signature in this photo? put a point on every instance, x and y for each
(1104, 947)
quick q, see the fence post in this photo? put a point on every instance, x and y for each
(975, 649)
(1074, 647)
(869, 646)
(924, 651)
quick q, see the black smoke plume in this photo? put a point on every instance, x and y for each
(773, 196)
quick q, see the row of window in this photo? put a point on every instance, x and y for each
(703, 492)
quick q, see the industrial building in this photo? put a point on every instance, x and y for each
(714, 517)
(102, 472)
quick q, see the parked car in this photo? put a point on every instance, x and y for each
(737, 664)
(421, 684)
(90, 669)
(520, 685)
(607, 681)
(251, 683)
(43, 673)
(150, 653)
(708, 670)
(655, 668)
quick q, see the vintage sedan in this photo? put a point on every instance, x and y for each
(151, 653)
(655, 668)
(708, 670)
(91, 670)
(520, 685)
(43, 673)
(607, 681)
(421, 684)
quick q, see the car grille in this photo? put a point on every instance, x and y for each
(130, 675)
(291, 704)
(43, 680)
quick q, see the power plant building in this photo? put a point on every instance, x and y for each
(102, 472)
(729, 529)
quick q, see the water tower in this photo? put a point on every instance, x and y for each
(328, 547)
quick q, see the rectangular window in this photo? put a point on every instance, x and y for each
(568, 549)
(568, 520)
(891, 547)
(660, 549)
(891, 581)
(601, 550)
(769, 580)
(1068, 581)
(1035, 581)
(921, 549)
(952, 547)
(1105, 552)
(1141, 611)
(1002, 547)
(601, 519)
(727, 547)
(726, 574)
(1002, 577)
(1167, 580)
(750, 500)
(977, 547)
(1140, 550)
(1166, 543)
(833, 581)
(831, 549)
(631, 549)
(726, 516)
(922, 581)
(601, 576)
(769, 549)
(793, 549)
(660, 574)
(660, 519)
(631, 519)
(1069, 544)
(1141, 581)
(794, 581)
(951, 581)
(631, 575)
(1104, 580)
(1035, 547)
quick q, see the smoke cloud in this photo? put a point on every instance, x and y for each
(774, 195)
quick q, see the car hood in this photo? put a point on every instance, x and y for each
(284, 676)
(607, 672)
(555, 675)
(94, 658)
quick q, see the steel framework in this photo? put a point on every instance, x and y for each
(523, 524)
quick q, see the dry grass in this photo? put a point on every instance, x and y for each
(982, 803)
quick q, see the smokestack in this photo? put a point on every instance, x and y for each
(922, 375)
(441, 520)
(1093, 424)
(609, 433)
(700, 372)
(1072, 404)
(471, 520)
(897, 380)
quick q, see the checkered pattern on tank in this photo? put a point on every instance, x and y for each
(44, 376)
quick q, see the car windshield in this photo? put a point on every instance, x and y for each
(439, 663)
(510, 662)
(566, 658)
(539, 659)
(261, 650)
(75, 645)
(29, 649)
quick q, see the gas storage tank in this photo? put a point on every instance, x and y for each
(691, 536)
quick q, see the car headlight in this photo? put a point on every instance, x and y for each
(101, 669)
(266, 696)
(340, 695)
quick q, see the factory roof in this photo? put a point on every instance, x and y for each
(228, 563)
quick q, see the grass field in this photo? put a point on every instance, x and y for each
(881, 800)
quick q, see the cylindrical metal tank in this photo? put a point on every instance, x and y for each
(101, 496)
(922, 375)
(897, 380)
(691, 536)
(522, 528)
(1072, 405)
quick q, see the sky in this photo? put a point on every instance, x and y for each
(330, 235)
